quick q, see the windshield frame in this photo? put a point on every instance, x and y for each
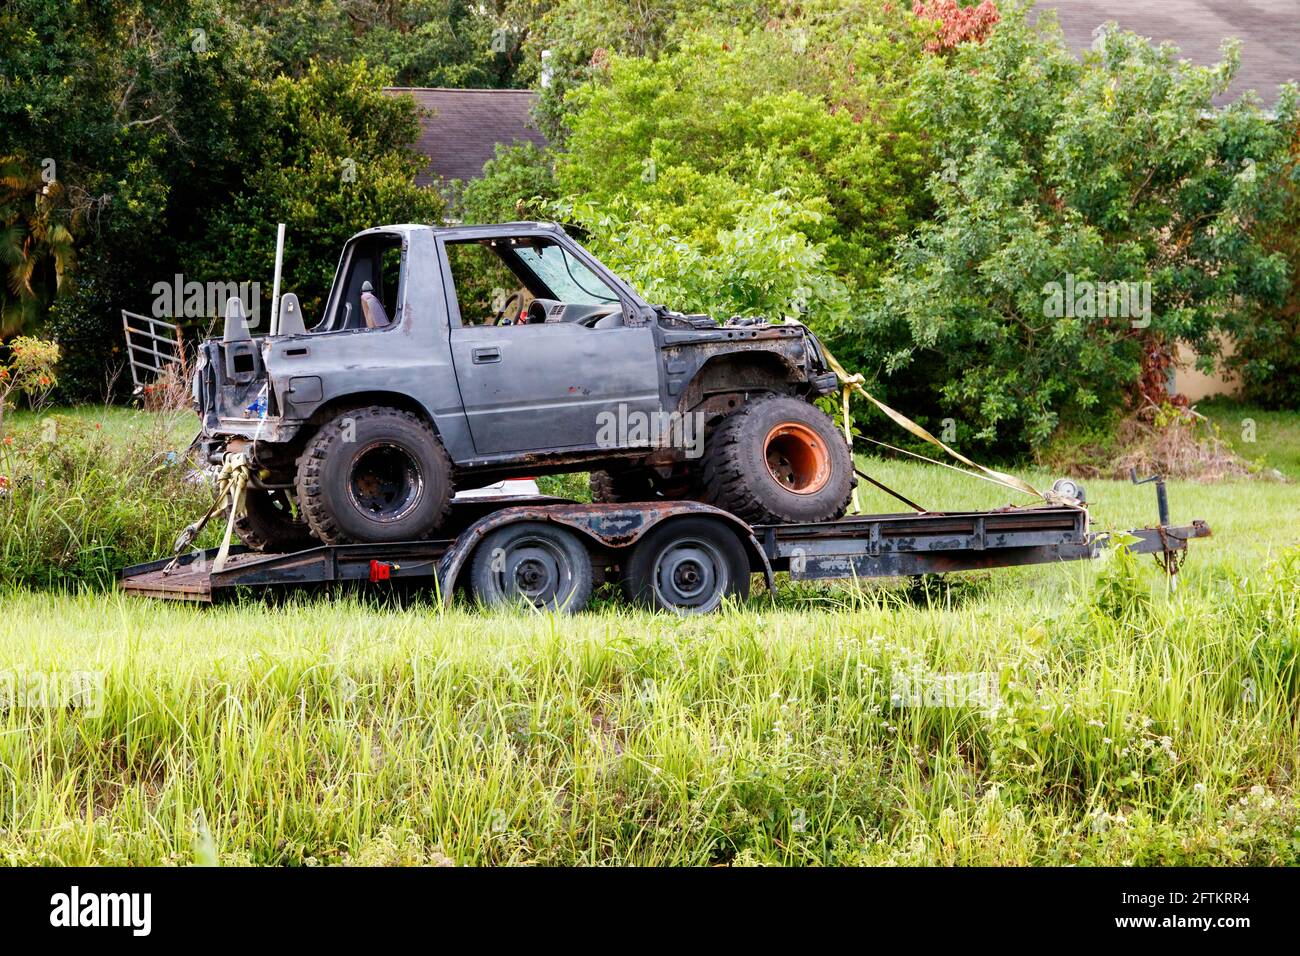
(633, 306)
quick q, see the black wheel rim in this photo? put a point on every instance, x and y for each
(691, 575)
(535, 570)
(386, 483)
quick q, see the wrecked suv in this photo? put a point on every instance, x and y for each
(456, 357)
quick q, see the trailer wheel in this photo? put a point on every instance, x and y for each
(533, 563)
(778, 459)
(268, 522)
(687, 565)
(374, 474)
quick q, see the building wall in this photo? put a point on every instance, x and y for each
(1195, 384)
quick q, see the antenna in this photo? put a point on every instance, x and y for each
(275, 284)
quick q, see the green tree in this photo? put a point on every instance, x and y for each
(36, 243)
(335, 159)
(421, 42)
(1056, 171)
(136, 113)
(795, 130)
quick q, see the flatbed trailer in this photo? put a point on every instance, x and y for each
(609, 535)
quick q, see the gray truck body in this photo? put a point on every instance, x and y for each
(504, 399)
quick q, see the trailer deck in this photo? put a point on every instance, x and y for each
(861, 546)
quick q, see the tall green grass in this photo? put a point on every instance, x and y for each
(1129, 725)
(82, 497)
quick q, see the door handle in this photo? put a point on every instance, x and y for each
(485, 355)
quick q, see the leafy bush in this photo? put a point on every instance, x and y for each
(76, 506)
(335, 159)
(518, 183)
(762, 264)
(1055, 171)
(28, 371)
(811, 107)
(1267, 348)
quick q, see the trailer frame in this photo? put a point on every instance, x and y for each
(858, 546)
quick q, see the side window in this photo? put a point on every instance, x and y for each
(484, 285)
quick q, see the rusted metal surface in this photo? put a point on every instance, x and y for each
(886, 545)
(1154, 540)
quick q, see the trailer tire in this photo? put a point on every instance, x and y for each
(687, 565)
(533, 563)
(374, 474)
(778, 460)
(269, 524)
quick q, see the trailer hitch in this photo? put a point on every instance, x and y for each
(1167, 557)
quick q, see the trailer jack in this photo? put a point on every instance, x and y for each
(1168, 557)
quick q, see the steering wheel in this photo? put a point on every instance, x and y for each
(516, 297)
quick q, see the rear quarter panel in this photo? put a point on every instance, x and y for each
(411, 358)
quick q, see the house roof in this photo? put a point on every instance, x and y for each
(465, 126)
(1270, 39)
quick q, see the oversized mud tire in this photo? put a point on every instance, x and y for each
(269, 523)
(688, 566)
(532, 563)
(778, 460)
(374, 474)
(619, 487)
(630, 485)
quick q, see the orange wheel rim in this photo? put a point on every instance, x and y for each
(797, 458)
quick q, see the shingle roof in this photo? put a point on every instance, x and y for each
(1269, 31)
(465, 127)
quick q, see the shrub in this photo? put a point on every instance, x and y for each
(518, 183)
(1267, 348)
(75, 506)
(812, 107)
(336, 160)
(1055, 175)
(29, 370)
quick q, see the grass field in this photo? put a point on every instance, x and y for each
(1073, 714)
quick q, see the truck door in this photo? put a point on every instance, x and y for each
(546, 384)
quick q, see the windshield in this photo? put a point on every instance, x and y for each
(567, 278)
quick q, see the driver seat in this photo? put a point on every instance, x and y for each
(372, 309)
